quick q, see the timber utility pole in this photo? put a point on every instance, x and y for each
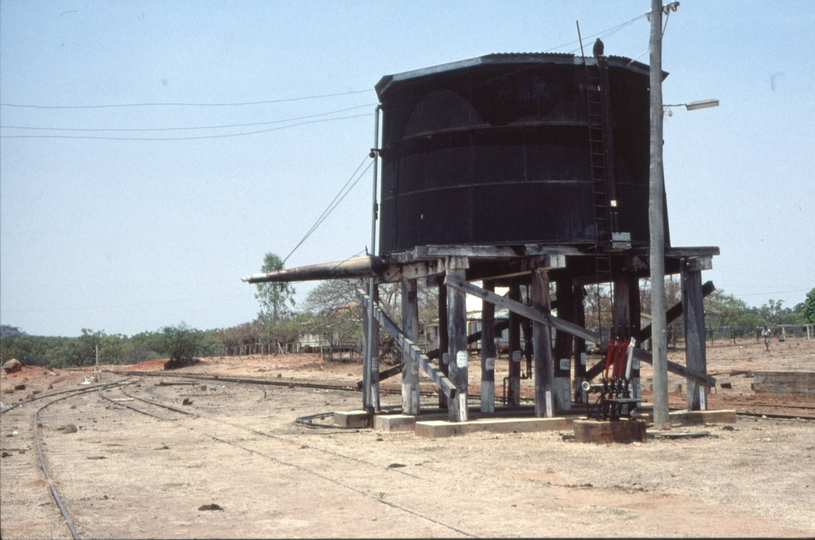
(656, 223)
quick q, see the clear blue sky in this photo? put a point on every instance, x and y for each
(132, 235)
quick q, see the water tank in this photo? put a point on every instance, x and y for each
(495, 151)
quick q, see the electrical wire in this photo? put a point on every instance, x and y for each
(195, 138)
(601, 34)
(333, 204)
(238, 104)
(96, 130)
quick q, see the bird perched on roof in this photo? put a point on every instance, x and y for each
(598, 48)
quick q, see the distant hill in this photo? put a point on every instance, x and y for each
(6, 330)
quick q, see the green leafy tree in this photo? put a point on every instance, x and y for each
(88, 343)
(334, 311)
(808, 309)
(276, 299)
(180, 342)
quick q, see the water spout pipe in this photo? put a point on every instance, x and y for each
(356, 267)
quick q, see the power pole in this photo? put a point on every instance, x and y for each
(656, 223)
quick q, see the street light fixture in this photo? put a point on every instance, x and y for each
(693, 105)
(702, 104)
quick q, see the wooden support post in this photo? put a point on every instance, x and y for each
(580, 360)
(635, 311)
(694, 322)
(514, 346)
(410, 368)
(561, 385)
(621, 315)
(444, 355)
(542, 344)
(488, 352)
(457, 335)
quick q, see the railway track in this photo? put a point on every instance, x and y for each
(152, 401)
(157, 407)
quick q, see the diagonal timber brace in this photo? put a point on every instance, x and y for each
(407, 345)
(670, 316)
(569, 328)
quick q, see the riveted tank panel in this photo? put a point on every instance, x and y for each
(495, 151)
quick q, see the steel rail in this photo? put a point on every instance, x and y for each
(63, 510)
(298, 467)
(776, 416)
(52, 394)
(240, 380)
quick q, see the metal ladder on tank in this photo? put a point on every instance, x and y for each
(599, 121)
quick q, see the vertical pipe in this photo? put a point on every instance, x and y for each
(656, 225)
(370, 401)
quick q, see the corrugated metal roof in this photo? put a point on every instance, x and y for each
(507, 58)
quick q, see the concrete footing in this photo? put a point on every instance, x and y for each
(689, 418)
(436, 425)
(394, 422)
(609, 431)
(440, 428)
(351, 418)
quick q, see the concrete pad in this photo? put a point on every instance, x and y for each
(394, 422)
(609, 431)
(441, 428)
(785, 383)
(351, 418)
(690, 418)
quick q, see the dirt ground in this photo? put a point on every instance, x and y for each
(127, 475)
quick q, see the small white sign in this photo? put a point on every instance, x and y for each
(582, 359)
(564, 364)
(445, 357)
(489, 364)
(635, 363)
(414, 369)
(549, 404)
(516, 356)
(462, 406)
(461, 359)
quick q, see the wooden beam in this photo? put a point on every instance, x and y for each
(410, 327)
(457, 346)
(500, 326)
(566, 326)
(676, 311)
(514, 348)
(694, 322)
(407, 345)
(542, 343)
(487, 353)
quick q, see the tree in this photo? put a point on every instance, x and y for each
(334, 311)
(274, 297)
(809, 307)
(180, 342)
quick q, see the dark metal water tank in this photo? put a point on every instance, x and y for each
(495, 151)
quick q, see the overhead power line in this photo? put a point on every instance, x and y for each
(198, 137)
(172, 104)
(333, 204)
(99, 130)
